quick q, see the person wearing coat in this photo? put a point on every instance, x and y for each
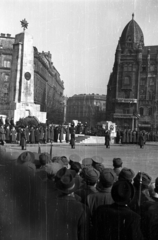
(52, 133)
(45, 135)
(56, 134)
(117, 221)
(67, 133)
(27, 131)
(32, 135)
(41, 134)
(23, 139)
(2, 135)
(141, 140)
(37, 135)
(107, 138)
(7, 134)
(72, 132)
(13, 135)
(19, 130)
(61, 133)
(48, 134)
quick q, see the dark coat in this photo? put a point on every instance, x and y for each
(103, 197)
(85, 191)
(32, 135)
(41, 134)
(48, 134)
(116, 222)
(67, 218)
(56, 134)
(67, 134)
(7, 134)
(72, 141)
(37, 135)
(23, 139)
(52, 133)
(2, 134)
(107, 138)
(13, 135)
(141, 140)
(27, 131)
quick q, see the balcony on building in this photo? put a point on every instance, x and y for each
(126, 100)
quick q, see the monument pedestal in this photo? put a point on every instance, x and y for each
(23, 110)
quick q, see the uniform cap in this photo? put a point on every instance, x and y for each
(97, 159)
(107, 177)
(25, 157)
(146, 179)
(126, 174)
(117, 162)
(74, 158)
(87, 162)
(90, 175)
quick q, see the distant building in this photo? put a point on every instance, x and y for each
(48, 87)
(132, 90)
(88, 108)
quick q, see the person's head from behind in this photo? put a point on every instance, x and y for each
(142, 178)
(44, 158)
(126, 174)
(90, 176)
(117, 162)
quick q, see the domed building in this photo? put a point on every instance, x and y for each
(132, 90)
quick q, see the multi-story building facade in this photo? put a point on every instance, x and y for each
(132, 90)
(86, 108)
(48, 87)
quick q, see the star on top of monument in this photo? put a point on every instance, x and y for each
(24, 24)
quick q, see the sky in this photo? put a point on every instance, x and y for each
(82, 35)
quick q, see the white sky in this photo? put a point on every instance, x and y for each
(81, 35)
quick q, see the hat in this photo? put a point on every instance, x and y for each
(86, 162)
(107, 177)
(122, 192)
(67, 184)
(30, 166)
(146, 179)
(75, 166)
(156, 185)
(44, 158)
(126, 174)
(64, 171)
(74, 158)
(117, 162)
(64, 160)
(52, 168)
(99, 167)
(25, 157)
(97, 159)
(90, 175)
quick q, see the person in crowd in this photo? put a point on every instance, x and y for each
(90, 177)
(19, 131)
(153, 190)
(48, 134)
(37, 135)
(141, 140)
(1, 121)
(67, 134)
(7, 134)
(41, 134)
(27, 131)
(141, 184)
(87, 162)
(97, 163)
(56, 134)
(61, 131)
(51, 133)
(117, 164)
(13, 135)
(126, 174)
(107, 138)
(45, 135)
(117, 221)
(23, 139)
(12, 124)
(72, 132)
(2, 135)
(103, 196)
(7, 121)
(70, 217)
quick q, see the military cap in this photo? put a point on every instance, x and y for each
(86, 162)
(99, 167)
(146, 179)
(107, 177)
(117, 162)
(97, 159)
(90, 175)
(122, 192)
(76, 166)
(74, 158)
(126, 174)
(25, 157)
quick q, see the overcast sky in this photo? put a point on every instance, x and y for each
(81, 35)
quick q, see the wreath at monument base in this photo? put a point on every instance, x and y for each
(30, 121)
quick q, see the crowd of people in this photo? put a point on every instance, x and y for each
(46, 197)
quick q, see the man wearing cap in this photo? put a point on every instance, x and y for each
(97, 163)
(117, 164)
(126, 174)
(103, 196)
(141, 184)
(66, 218)
(87, 163)
(117, 221)
(90, 177)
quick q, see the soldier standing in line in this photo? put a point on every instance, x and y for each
(37, 135)
(23, 139)
(107, 138)
(72, 132)
(52, 133)
(13, 135)
(32, 135)
(7, 131)
(27, 131)
(141, 140)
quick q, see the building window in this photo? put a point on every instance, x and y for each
(130, 67)
(150, 111)
(142, 82)
(126, 111)
(143, 68)
(6, 64)
(127, 80)
(141, 110)
(151, 81)
(127, 94)
(142, 97)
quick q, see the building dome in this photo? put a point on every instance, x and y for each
(132, 36)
